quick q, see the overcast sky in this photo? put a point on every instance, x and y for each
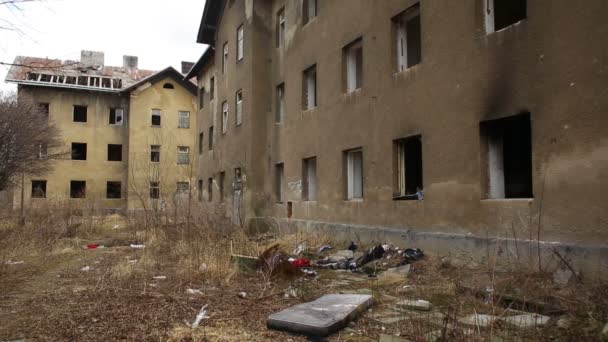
(160, 33)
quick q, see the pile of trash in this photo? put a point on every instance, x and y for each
(304, 260)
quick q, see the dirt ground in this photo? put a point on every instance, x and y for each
(71, 293)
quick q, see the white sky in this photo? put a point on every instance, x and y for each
(159, 32)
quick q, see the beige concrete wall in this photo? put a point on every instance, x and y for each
(540, 65)
(97, 133)
(142, 135)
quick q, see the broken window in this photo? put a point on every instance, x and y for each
(168, 86)
(408, 40)
(79, 151)
(38, 188)
(280, 27)
(183, 187)
(407, 170)
(309, 179)
(155, 153)
(310, 88)
(70, 80)
(59, 79)
(83, 80)
(184, 119)
(94, 82)
(155, 190)
(43, 109)
(201, 98)
(200, 143)
(78, 189)
(211, 138)
(114, 152)
(309, 10)
(224, 117)
(113, 190)
(116, 83)
(503, 13)
(80, 113)
(31, 76)
(183, 154)
(106, 82)
(156, 117)
(353, 65)
(116, 116)
(211, 88)
(225, 58)
(200, 190)
(45, 78)
(210, 189)
(353, 160)
(240, 37)
(280, 116)
(222, 179)
(239, 107)
(507, 154)
(278, 182)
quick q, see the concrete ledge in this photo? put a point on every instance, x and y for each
(592, 260)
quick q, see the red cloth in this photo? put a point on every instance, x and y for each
(301, 263)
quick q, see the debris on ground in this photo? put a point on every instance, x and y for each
(202, 314)
(194, 291)
(320, 317)
(418, 304)
(242, 295)
(136, 246)
(527, 320)
(95, 246)
(159, 277)
(299, 249)
(324, 248)
(86, 268)
(11, 262)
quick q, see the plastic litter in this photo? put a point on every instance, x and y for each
(242, 295)
(301, 262)
(325, 248)
(159, 277)
(137, 246)
(86, 269)
(194, 291)
(11, 262)
(202, 314)
(94, 246)
(299, 249)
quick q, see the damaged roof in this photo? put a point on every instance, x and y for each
(210, 21)
(56, 73)
(206, 57)
(161, 75)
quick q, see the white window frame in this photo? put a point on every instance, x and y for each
(183, 154)
(401, 36)
(225, 58)
(154, 149)
(282, 23)
(118, 116)
(184, 119)
(280, 103)
(310, 169)
(225, 117)
(353, 78)
(311, 87)
(354, 175)
(239, 108)
(156, 112)
(309, 9)
(240, 40)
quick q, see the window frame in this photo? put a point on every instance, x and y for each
(310, 81)
(181, 152)
(183, 114)
(350, 175)
(44, 189)
(225, 117)
(119, 187)
(155, 150)
(238, 108)
(353, 65)
(157, 113)
(86, 113)
(240, 43)
(154, 190)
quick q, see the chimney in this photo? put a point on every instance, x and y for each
(91, 58)
(186, 66)
(129, 62)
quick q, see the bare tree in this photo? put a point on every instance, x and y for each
(28, 142)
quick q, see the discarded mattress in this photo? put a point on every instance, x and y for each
(321, 317)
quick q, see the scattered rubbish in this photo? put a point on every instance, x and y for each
(245, 262)
(276, 262)
(325, 248)
(413, 254)
(478, 320)
(137, 246)
(301, 262)
(11, 262)
(291, 293)
(419, 304)
(194, 291)
(159, 277)
(563, 323)
(527, 320)
(309, 271)
(396, 273)
(203, 268)
(132, 261)
(115, 226)
(86, 269)
(242, 295)
(320, 317)
(299, 249)
(202, 314)
(352, 247)
(95, 246)
(391, 338)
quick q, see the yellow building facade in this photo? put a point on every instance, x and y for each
(128, 134)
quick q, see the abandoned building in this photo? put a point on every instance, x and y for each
(427, 120)
(128, 132)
